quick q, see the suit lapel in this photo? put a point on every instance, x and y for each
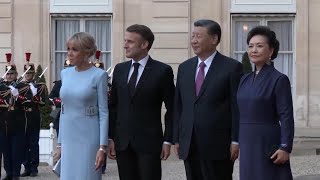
(144, 75)
(126, 70)
(123, 79)
(214, 67)
(191, 76)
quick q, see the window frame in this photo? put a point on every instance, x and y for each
(263, 20)
(82, 19)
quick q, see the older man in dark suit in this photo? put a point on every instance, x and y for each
(139, 88)
(206, 113)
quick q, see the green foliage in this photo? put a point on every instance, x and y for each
(45, 109)
(247, 68)
(45, 116)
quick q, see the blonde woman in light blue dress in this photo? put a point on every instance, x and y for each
(82, 141)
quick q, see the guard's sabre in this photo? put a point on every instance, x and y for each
(39, 77)
(22, 75)
(9, 68)
(43, 72)
(111, 73)
(108, 69)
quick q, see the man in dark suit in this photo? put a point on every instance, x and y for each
(206, 113)
(139, 88)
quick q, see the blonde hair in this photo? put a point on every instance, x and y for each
(85, 42)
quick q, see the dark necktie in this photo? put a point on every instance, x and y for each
(133, 79)
(200, 77)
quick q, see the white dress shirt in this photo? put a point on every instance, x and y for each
(142, 65)
(208, 62)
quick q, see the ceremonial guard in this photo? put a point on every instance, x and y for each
(55, 100)
(3, 107)
(15, 96)
(100, 65)
(5, 99)
(33, 119)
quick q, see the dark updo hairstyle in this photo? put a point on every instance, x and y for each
(269, 34)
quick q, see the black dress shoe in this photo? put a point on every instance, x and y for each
(15, 178)
(33, 174)
(7, 178)
(25, 174)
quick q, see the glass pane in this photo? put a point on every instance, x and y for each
(238, 56)
(283, 30)
(284, 63)
(60, 57)
(106, 58)
(101, 31)
(64, 30)
(241, 31)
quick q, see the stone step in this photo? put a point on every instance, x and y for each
(308, 177)
(306, 146)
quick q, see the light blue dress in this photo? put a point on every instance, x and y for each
(83, 122)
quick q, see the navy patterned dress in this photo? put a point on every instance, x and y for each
(266, 121)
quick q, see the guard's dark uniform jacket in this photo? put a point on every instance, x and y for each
(3, 120)
(32, 108)
(55, 96)
(4, 100)
(16, 121)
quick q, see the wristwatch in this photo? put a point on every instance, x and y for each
(103, 150)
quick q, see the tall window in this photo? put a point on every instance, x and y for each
(282, 26)
(65, 27)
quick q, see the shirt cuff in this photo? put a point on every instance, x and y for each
(165, 142)
(234, 142)
(284, 145)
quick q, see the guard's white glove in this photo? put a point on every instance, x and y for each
(14, 91)
(34, 90)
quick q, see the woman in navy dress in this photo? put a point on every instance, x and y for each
(266, 113)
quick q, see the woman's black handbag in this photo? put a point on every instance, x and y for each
(55, 113)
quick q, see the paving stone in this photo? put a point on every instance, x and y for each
(303, 168)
